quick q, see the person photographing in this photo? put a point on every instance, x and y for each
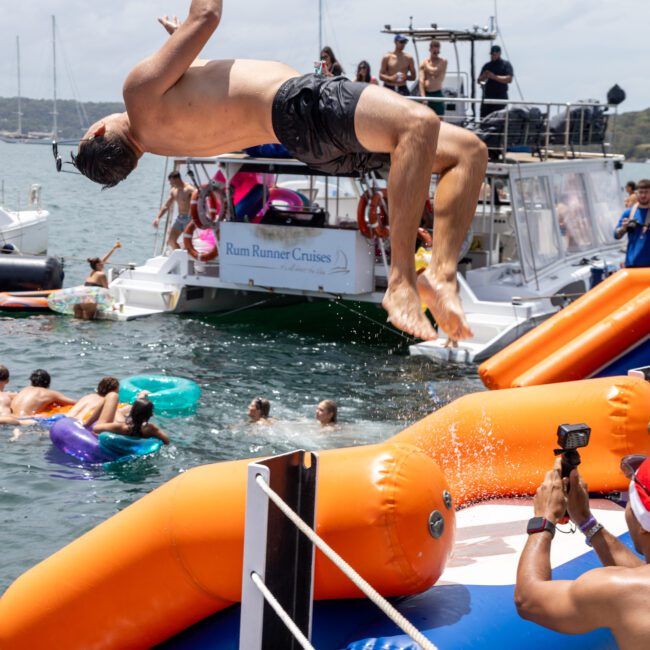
(634, 223)
(614, 596)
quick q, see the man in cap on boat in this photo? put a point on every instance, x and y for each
(615, 596)
(397, 67)
(179, 106)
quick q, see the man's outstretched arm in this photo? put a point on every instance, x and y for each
(155, 75)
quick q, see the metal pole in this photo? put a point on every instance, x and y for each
(54, 113)
(20, 112)
(320, 26)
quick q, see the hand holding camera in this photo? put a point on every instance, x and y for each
(570, 437)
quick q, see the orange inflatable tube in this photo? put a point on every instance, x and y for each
(501, 443)
(175, 556)
(579, 339)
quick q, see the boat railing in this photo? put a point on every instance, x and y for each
(282, 575)
(544, 129)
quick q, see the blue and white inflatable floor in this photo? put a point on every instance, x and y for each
(471, 607)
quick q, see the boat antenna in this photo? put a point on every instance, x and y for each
(54, 113)
(20, 112)
(505, 49)
(320, 26)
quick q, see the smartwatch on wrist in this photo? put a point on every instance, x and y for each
(539, 525)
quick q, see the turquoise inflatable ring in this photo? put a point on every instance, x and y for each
(169, 394)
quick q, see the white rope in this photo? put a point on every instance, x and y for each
(338, 561)
(284, 617)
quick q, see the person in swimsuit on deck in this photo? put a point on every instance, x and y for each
(181, 194)
(179, 106)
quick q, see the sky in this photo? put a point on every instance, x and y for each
(565, 51)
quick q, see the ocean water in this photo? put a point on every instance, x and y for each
(44, 503)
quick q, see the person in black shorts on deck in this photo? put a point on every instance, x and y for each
(495, 76)
(178, 105)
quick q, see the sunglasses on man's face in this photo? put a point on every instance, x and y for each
(59, 162)
(630, 466)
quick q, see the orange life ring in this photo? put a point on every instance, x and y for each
(208, 205)
(188, 245)
(377, 221)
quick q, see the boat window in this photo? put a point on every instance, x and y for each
(539, 243)
(607, 204)
(572, 212)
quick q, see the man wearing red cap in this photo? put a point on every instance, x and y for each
(616, 596)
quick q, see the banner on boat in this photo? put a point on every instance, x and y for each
(293, 257)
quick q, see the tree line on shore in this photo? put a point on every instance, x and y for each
(629, 132)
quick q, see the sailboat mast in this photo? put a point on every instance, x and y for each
(54, 113)
(20, 112)
(320, 26)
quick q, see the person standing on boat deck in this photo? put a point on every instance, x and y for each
(331, 66)
(615, 596)
(495, 76)
(432, 75)
(630, 199)
(364, 74)
(180, 106)
(635, 222)
(397, 67)
(181, 194)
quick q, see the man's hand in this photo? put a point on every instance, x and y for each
(578, 501)
(171, 24)
(156, 222)
(550, 500)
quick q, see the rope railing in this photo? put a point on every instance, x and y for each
(401, 621)
(282, 614)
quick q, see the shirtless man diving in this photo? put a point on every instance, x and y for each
(179, 106)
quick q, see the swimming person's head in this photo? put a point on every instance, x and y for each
(40, 378)
(107, 385)
(326, 412)
(141, 413)
(259, 408)
(4, 374)
(107, 153)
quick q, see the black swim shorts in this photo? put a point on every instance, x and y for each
(313, 117)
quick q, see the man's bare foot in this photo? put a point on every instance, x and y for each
(404, 311)
(441, 297)
(16, 433)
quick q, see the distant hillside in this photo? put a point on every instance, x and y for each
(632, 136)
(37, 115)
